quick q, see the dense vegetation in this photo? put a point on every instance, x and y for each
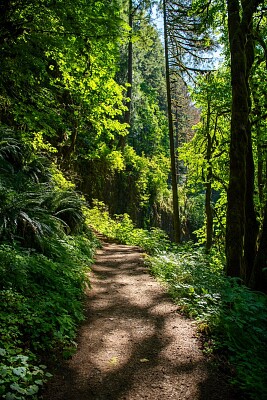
(45, 252)
(231, 318)
(86, 117)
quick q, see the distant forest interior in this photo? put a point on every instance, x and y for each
(145, 121)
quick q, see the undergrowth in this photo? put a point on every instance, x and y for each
(121, 228)
(232, 317)
(41, 306)
(45, 251)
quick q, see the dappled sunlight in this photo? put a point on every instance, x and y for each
(133, 344)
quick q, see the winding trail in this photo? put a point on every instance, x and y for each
(134, 344)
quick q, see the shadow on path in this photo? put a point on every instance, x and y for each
(133, 344)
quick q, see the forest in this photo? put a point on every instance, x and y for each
(144, 120)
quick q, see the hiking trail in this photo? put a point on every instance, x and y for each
(134, 344)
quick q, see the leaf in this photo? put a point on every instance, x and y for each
(113, 361)
(2, 352)
(4, 371)
(20, 371)
(33, 389)
(10, 396)
(144, 360)
(39, 382)
(17, 388)
(22, 358)
(2, 388)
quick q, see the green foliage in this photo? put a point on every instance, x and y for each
(234, 316)
(149, 126)
(35, 199)
(122, 228)
(191, 212)
(149, 176)
(61, 88)
(206, 155)
(66, 206)
(20, 378)
(243, 321)
(60, 61)
(41, 304)
(42, 269)
(195, 284)
(56, 285)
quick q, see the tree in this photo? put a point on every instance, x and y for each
(134, 12)
(190, 36)
(242, 227)
(206, 154)
(175, 199)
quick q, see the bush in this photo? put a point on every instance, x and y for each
(234, 317)
(41, 296)
(121, 228)
(41, 307)
(42, 269)
(20, 378)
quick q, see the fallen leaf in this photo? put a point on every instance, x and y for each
(113, 360)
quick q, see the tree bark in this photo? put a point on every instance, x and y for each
(127, 115)
(208, 207)
(251, 224)
(240, 192)
(258, 279)
(176, 214)
(130, 66)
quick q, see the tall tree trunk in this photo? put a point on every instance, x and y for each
(176, 215)
(127, 115)
(251, 225)
(208, 207)
(258, 279)
(130, 66)
(239, 190)
(260, 173)
(260, 154)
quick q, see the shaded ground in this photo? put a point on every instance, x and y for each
(134, 344)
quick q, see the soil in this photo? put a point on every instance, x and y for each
(134, 343)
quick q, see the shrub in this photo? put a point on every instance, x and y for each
(20, 377)
(42, 269)
(41, 306)
(234, 316)
(122, 228)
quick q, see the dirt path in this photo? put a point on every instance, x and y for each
(134, 345)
